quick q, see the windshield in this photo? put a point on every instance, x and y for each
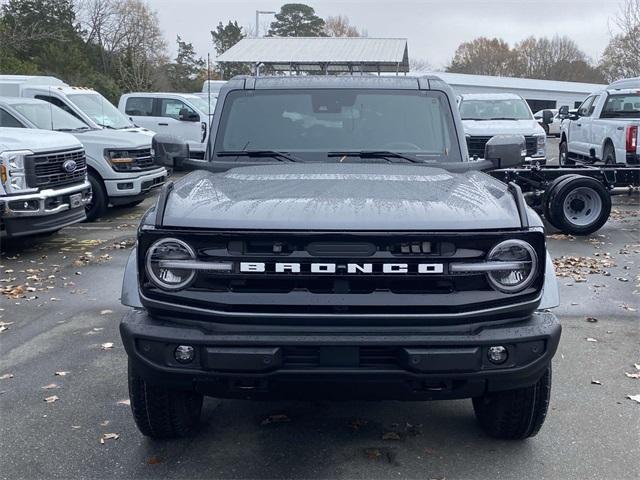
(622, 106)
(46, 116)
(313, 123)
(511, 109)
(100, 110)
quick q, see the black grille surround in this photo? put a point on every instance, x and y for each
(340, 298)
(142, 160)
(45, 170)
(476, 144)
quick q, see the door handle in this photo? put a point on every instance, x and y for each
(164, 124)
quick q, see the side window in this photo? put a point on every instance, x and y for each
(586, 109)
(139, 106)
(8, 120)
(170, 107)
(59, 103)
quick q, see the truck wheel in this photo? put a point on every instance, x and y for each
(97, 207)
(609, 155)
(514, 414)
(162, 412)
(546, 203)
(563, 155)
(579, 205)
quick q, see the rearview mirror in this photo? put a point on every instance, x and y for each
(547, 117)
(169, 151)
(506, 151)
(187, 115)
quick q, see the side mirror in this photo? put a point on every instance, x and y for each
(169, 151)
(188, 116)
(506, 151)
(563, 112)
(547, 117)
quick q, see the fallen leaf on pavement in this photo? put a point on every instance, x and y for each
(60, 374)
(391, 436)
(358, 423)
(589, 339)
(429, 451)
(632, 375)
(75, 427)
(6, 375)
(372, 453)
(105, 312)
(592, 319)
(279, 418)
(109, 436)
(124, 402)
(104, 423)
(596, 382)
(635, 398)
(51, 399)
(50, 386)
(154, 460)
(106, 346)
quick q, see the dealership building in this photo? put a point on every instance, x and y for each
(539, 94)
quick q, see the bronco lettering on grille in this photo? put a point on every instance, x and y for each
(350, 268)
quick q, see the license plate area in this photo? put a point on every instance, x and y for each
(75, 200)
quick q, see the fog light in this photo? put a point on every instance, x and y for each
(497, 355)
(184, 353)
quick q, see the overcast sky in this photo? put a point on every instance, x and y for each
(434, 28)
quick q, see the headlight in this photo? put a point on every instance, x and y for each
(120, 160)
(521, 264)
(13, 170)
(158, 264)
(542, 143)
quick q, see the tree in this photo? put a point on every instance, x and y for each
(339, 26)
(483, 56)
(224, 37)
(297, 20)
(620, 58)
(186, 73)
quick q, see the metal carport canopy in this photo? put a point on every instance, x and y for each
(313, 54)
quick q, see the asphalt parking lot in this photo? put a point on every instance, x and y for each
(61, 315)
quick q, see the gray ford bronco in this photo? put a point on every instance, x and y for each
(338, 242)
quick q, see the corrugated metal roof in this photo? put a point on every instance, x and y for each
(461, 79)
(284, 50)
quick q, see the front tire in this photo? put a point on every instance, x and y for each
(515, 414)
(97, 207)
(160, 412)
(563, 155)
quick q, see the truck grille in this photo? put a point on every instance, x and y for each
(376, 293)
(142, 160)
(47, 170)
(476, 144)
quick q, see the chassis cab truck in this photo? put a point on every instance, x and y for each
(120, 167)
(43, 181)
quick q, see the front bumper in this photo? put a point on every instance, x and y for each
(45, 202)
(299, 362)
(139, 186)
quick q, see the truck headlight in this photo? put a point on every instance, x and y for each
(158, 264)
(541, 143)
(521, 265)
(120, 160)
(12, 170)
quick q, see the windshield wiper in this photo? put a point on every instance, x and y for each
(79, 129)
(506, 118)
(383, 154)
(105, 126)
(280, 156)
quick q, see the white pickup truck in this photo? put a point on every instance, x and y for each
(485, 115)
(603, 129)
(43, 181)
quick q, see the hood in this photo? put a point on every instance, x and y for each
(502, 127)
(342, 197)
(116, 139)
(36, 140)
(140, 130)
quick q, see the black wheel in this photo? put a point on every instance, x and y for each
(578, 205)
(515, 414)
(97, 207)
(609, 155)
(563, 155)
(161, 412)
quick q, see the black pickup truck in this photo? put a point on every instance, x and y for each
(338, 242)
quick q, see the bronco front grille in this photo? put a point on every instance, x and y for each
(54, 169)
(342, 292)
(476, 144)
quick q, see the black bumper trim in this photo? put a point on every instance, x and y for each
(21, 226)
(424, 366)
